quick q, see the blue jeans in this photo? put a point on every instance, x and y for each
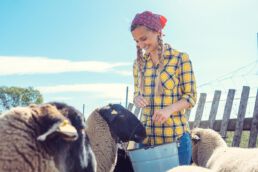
(184, 149)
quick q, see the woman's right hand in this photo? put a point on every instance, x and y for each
(140, 101)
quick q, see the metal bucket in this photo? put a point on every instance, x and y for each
(155, 159)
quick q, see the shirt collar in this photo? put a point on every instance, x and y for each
(167, 52)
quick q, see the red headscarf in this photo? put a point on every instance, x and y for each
(150, 20)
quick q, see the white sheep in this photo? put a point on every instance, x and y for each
(106, 127)
(189, 168)
(43, 138)
(211, 151)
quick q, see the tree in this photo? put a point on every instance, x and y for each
(17, 96)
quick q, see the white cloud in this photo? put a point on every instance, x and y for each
(112, 91)
(124, 72)
(13, 65)
(61, 98)
(99, 94)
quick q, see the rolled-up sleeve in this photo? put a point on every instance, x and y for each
(188, 82)
(136, 79)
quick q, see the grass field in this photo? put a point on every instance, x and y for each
(244, 139)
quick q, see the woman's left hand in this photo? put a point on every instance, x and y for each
(161, 115)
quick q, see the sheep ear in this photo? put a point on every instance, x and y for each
(63, 129)
(195, 138)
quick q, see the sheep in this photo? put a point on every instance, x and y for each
(211, 151)
(189, 168)
(106, 127)
(39, 138)
(80, 150)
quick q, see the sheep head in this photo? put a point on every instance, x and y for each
(73, 155)
(52, 123)
(204, 143)
(122, 123)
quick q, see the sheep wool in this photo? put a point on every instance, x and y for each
(18, 150)
(211, 151)
(44, 138)
(103, 146)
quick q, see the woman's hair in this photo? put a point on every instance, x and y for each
(158, 84)
(141, 62)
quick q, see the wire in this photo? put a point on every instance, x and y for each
(252, 66)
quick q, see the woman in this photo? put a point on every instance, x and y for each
(164, 85)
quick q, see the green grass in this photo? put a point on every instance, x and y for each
(244, 139)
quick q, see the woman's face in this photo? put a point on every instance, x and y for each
(146, 39)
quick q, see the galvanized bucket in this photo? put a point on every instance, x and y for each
(155, 159)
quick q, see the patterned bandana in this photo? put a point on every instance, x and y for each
(150, 20)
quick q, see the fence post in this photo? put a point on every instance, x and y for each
(130, 106)
(126, 96)
(241, 116)
(254, 127)
(187, 114)
(137, 112)
(83, 110)
(83, 107)
(214, 108)
(227, 112)
(199, 110)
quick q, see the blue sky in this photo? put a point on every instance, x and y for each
(81, 52)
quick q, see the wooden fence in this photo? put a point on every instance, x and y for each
(226, 123)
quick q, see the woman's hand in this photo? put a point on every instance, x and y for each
(161, 115)
(140, 101)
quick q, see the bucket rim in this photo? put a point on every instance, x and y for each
(153, 146)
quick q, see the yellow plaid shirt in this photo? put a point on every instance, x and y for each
(178, 81)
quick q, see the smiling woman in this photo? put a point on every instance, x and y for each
(164, 85)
